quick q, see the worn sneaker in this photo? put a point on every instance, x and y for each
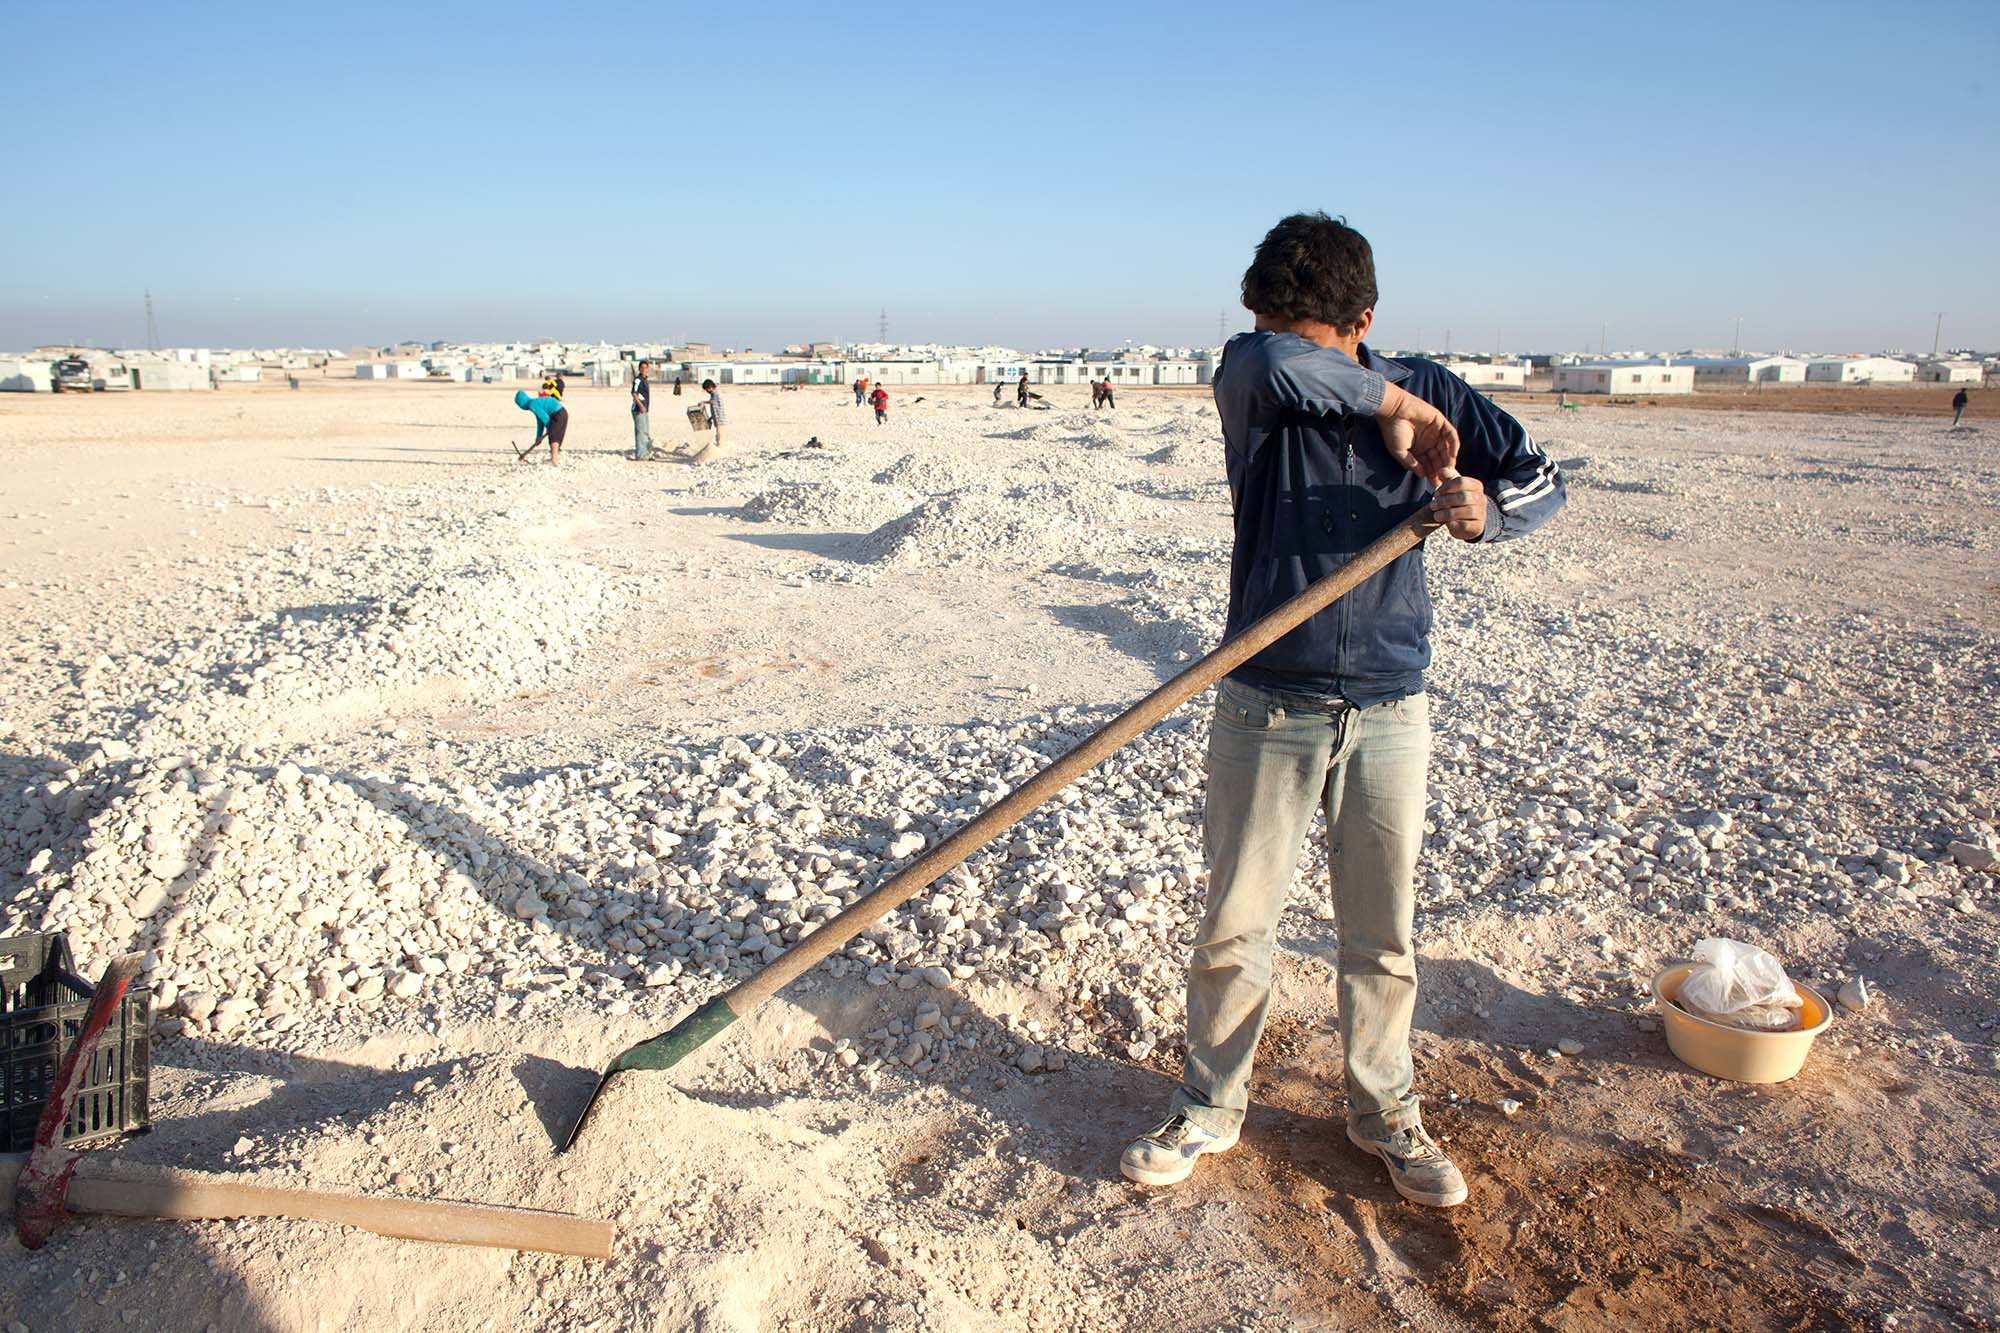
(1417, 1166)
(1166, 1155)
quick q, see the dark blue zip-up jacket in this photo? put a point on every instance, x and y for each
(1312, 484)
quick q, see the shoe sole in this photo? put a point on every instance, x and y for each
(1139, 1175)
(1449, 1200)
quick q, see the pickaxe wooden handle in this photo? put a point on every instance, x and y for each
(51, 1183)
(128, 1191)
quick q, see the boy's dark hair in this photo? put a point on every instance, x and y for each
(1311, 266)
(708, 384)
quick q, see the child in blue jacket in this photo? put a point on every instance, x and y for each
(551, 420)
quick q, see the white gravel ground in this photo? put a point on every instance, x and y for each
(421, 774)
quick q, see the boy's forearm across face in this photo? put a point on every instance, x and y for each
(1417, 435)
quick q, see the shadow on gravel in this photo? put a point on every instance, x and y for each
(557, 1092)
(1144, 641)
(189, 1284)
(1564, 1227)
(828, 545)
(307, 1094)
(1451, 992)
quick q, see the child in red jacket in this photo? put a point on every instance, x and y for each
(879, 400)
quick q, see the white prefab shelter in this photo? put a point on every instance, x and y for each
(1176, 371)
(722, 372)
(1123, 374)
(1951, 372)
(22, 375)
(1617, 377)
(1060, 372)
(1861, 370)
(1000, 372)
(1725, 370)
(370, 370)
(150, 375)
(1484, 376)
(895, 371)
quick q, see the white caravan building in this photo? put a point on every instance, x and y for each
(26, 375)
(1481, 375)
(900, 370)
(1951, 372)
(1175, 370)
(166, 374)
(1124, 374)
(390, 370)
(1860, 370)
(1052, 370)
(1619, 377)
(768, 371)
(1726, 370)
(1001, 372)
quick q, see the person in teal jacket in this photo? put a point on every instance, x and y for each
(551, 420)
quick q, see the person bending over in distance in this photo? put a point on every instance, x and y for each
(551, 421)
(1328, 446)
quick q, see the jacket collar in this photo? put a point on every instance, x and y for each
(1387, 367)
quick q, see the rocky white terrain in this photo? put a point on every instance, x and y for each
(428, 780)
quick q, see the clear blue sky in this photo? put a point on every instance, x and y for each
(758, 174)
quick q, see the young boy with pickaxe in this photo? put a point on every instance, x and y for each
(1328, 446)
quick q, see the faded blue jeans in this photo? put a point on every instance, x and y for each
(1271, 758)
(642, 435)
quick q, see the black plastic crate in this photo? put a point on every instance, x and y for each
(42, 1004)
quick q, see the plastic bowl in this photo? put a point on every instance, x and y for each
(1738, 1054)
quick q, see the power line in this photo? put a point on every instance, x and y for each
(152, 327)
(883, 325)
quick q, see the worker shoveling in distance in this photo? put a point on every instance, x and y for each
(711, 420)
(1333, 714)
(551, 422)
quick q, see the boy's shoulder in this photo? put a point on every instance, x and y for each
(1261, 352)
(1414, 373)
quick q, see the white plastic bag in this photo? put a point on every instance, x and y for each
(1740, 985)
